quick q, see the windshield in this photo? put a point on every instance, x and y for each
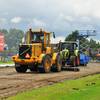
(66, 46)
(37, 37)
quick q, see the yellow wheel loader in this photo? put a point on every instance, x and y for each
(37, 53)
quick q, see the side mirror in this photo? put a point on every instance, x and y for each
(53, 35)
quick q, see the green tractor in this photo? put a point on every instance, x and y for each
(69, 53)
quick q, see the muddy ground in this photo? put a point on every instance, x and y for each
(12, 83)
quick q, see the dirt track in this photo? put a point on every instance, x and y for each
(12, 83)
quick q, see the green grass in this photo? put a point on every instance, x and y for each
(7, 62)
(64, 90)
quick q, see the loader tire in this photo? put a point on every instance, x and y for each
(78, 60)
(20, 68)
(46, 65)
(58, 65)
(73, 61)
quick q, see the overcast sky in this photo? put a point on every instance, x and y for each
(60, 16)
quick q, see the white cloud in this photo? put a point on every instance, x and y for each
(60, 23)
(87, 27)
(97, 41)
(83, 8)
(85, 19)
(16, 20)
(36, 23)
(69, 18)
(39, 23)
(86, 8)
(84, 27)
(57, 39)
(6, 13)
(4, 20)
(61, 16)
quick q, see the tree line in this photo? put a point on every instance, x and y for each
(72, 37)
(13, 38)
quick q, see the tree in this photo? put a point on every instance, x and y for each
(13, 38)
(98, 45)
(19, 34)
(92, 43)
(3, 31)
(73, 36)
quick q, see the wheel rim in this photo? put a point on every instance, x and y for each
(47, 64)
(59, 64)
(78, 60)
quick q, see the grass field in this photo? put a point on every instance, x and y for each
(86, 88)
(7, 62)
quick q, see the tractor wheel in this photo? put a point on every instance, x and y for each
(21, 68)
(46, 65)
(58, 65)
(35, 68)
(78, 60)
(73, 61)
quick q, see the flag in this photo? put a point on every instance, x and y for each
(2, 42)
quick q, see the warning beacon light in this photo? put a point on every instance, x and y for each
(40, 29)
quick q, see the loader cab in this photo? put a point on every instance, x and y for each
(36, 37)
(42, 37)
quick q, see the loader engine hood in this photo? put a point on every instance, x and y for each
(26, 51)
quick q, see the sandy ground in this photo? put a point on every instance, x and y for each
(12, 83)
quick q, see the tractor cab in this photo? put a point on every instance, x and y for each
(70, 46)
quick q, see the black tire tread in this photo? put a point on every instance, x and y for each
(44, 69)
(20, 68)
(56, 68)
(72, 61)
